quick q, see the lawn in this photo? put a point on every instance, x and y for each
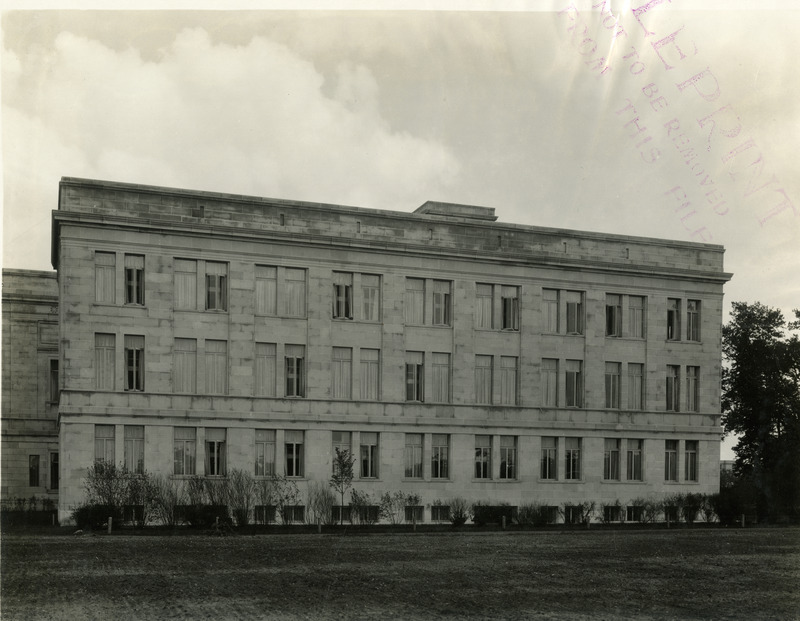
(559, 574)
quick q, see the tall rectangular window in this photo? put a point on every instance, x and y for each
(184, 371)
(266, 290)
(295, 285)
(342, 295)
(266, 368)
(573, 382)
(508, 457)
(550, 310)
(184, 450)
(104, 361)
(549, 371)
(572, 459)
(216, 286)
(483, 379)
(134, 448)
(671, 460)
(483, 457)
(574, 312)
(295, 370)
(441, 378)
(613, 372)
(508, 380)
(215, 452)
(342, 372)
(185, 284)
(369, 455)
(634, 460)
(104, 443)
(265, 452)
(413, 456)
(53, 388)
(549, 462)
(692, 389)
(611, 460)
(440, 456)
(414, 304)
(690, 456)
(673, 388)
(673, 319)
(415, 376)
(54, 471)
(341, 441)
(134, 362)
(693, 320)
(370, 374)
(370, 297)
(33, 471)
(442, 303)
(635, 386)
(105, 281)
(613, 314)
(484, 305)
(134, 279)
(216, 367)
(293, 445)
(636, 317)
(509, 298)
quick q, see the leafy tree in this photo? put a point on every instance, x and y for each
(761, 404)
(342, 478)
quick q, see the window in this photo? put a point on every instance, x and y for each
(549, 458)
(216, 286)
(52, 388)
(673, 388)
(440, 513)
(293, 513)
(413, 456)
(693, 320)
(634, 459)
(105, 282)
(635, 386)
(550, 298)
(484, 305)
(611, 460)
(572, 461)
(441, 378)
(612, 513)
(33, 471)
(294, 453)
(370, 297)
(265, 514)
(341, 373)
(549, 373)
(369, 455)
(636, 317)
(104, 358)
(185, 284)
(613, 315)
(54, 471)
(266, 290)
(508, 380)
(134, 448)
(184, 450)
(265, 369)
(483, 457)
(295, 281)
(673, 319)
(671, 460)
(508, 457)
(633, 513)
(341, 442)
(104, 443)
(440, 454)
(692, 389)
(415, 301)
(370, 374)
(613, 371)
(216, 367)
(574, 312)
(215, 452)
(573, 381)
(342, 295)
(134, 279)
(509, 297)
(690, 456)
(295, 370)
(265, 452)
(184, 371)
(483, 379)
(413, 514)
(441, 303)
(134, 363)
(415, 376)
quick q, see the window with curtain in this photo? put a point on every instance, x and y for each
(215, 452)
(441, 378)
(341, 441)
(634, 460)
(671, 460)
(440, 456)
(295, 285)
(105, 281)
(216, 367)
(415, 376)
(413, 456)
(265, 452)
(673, 387)
(613, 314)
(573, 383)
(483, 457)
(574, 312)
(483, 379)
(414, 306)
(613, 370)
(636, 316)
(134, 362)
(265, 369)
(185, 284)
(690, 457)
(572, 458)
(549, 462)
(484, 304)
(295, 370)
(442, 301)
(509, 298)
(673, 319)
(266, 290)
(693, 320)
(185, 366)
(216, 286)
(370, 373)
(134, 448)
(550, 302)
(692, 389)
(611, 460)
(104, 443)
(370, 297)
(33, 471)
(549, 372)
(508, 380)
(134, 279)
(508, 457)
(342, 295)
(104, 361)
(341, 372)
(635, 386)
(54, 391)
(184, 450)
(369, 455)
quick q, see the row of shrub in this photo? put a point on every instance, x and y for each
(32, 511)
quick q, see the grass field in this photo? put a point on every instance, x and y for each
(597, 574)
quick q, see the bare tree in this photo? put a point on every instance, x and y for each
(342, 478)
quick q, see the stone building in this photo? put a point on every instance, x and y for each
(454, 355)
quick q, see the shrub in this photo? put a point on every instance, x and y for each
(241, 495)
(578, 513)
(321, 500)
(392, 506)
(691, 506)
(534, 514)
(649, 510)
(484, 513)
(362, 508)
(611, 512)
(95, 516)
(168, 496)
(460, 511)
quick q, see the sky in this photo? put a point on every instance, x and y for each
(676, 121)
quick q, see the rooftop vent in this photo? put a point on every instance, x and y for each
(434, 208)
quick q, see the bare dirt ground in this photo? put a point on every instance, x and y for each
(598, 574)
